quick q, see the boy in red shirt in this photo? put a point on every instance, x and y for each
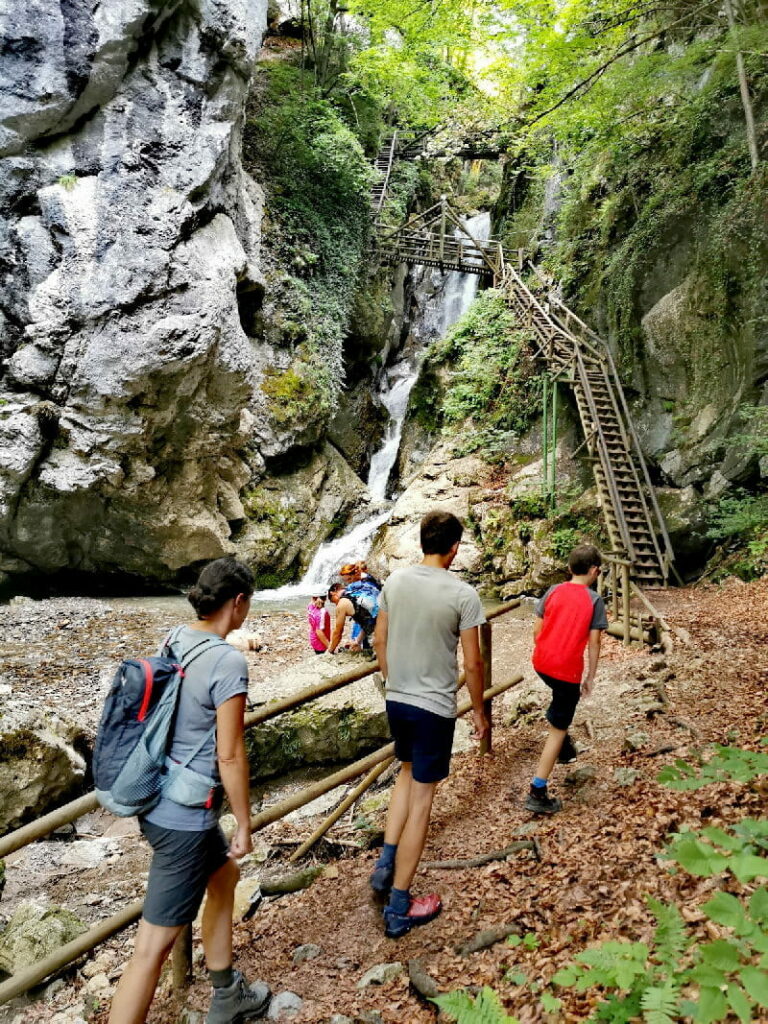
(570, 617)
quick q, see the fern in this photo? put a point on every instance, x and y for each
(660, 1004)
(485, 1009)
(728, 764)
(671, 936)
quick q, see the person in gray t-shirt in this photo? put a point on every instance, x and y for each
(190, 856)
(424, 612)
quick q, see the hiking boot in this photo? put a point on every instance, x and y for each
(540, 802)
(380, 880)
(422, 910)
(568, 752)
(238, 1003)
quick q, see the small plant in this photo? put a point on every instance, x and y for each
(68, 181)
(728, 764)
(484, 1009)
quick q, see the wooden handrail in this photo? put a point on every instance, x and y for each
(85, 943)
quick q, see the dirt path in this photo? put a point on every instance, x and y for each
(598, 857)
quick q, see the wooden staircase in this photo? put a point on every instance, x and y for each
(573, 353)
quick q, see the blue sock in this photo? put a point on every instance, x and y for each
(399, 901)
(539, 783)
(387, 856)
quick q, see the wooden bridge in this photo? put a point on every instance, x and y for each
(573, 354)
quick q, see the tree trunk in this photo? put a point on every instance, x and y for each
(746, 100)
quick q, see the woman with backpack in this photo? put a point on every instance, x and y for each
(191, 857)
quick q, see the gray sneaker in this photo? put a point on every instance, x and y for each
(238, 1002)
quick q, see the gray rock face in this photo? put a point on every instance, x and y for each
(128, 387)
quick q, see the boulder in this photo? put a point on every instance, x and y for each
(35, 932)
(40, 765)
(443, 482)
(340, 726)
(289, 514)
(284, 1006)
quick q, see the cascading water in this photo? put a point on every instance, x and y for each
(444, 298)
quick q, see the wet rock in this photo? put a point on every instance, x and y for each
(309, 951)
(40, 764)
(380, 974)
(35, 932)
(284, 1006)
(338, 727)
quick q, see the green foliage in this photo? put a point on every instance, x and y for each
(714, 850)
(485, 375)
(728, 764)
(317, 179)
(676, 976)
(67, 181)
(484, 1009)
(651, 982)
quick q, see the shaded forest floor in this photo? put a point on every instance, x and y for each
(598, 857)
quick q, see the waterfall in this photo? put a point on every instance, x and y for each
(445, 298)
(452, 298)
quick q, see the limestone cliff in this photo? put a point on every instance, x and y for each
(128, 383)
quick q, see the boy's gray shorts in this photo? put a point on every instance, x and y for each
(182, 863)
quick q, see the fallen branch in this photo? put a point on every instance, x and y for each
(424, 985)
(484, 858)
(681, 723)
(663, 748)
(487, 937)
(294, 882)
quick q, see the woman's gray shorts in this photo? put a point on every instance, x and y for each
(182, 864)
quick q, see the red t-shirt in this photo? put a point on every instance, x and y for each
(570, 611)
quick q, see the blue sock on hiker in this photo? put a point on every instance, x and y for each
(539, 783)
(387, 856)
(399, 901)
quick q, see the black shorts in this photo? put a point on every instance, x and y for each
(182, 863)
(422, 739)
(565, 697)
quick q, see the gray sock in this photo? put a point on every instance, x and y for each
(223, 978)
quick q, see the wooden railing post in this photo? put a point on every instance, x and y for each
(614, 591)
(625, 599)
(486, 650)
(181, 960)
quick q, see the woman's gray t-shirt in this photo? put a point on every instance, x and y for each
(214, 677)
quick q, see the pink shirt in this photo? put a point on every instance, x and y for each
(318, 618)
